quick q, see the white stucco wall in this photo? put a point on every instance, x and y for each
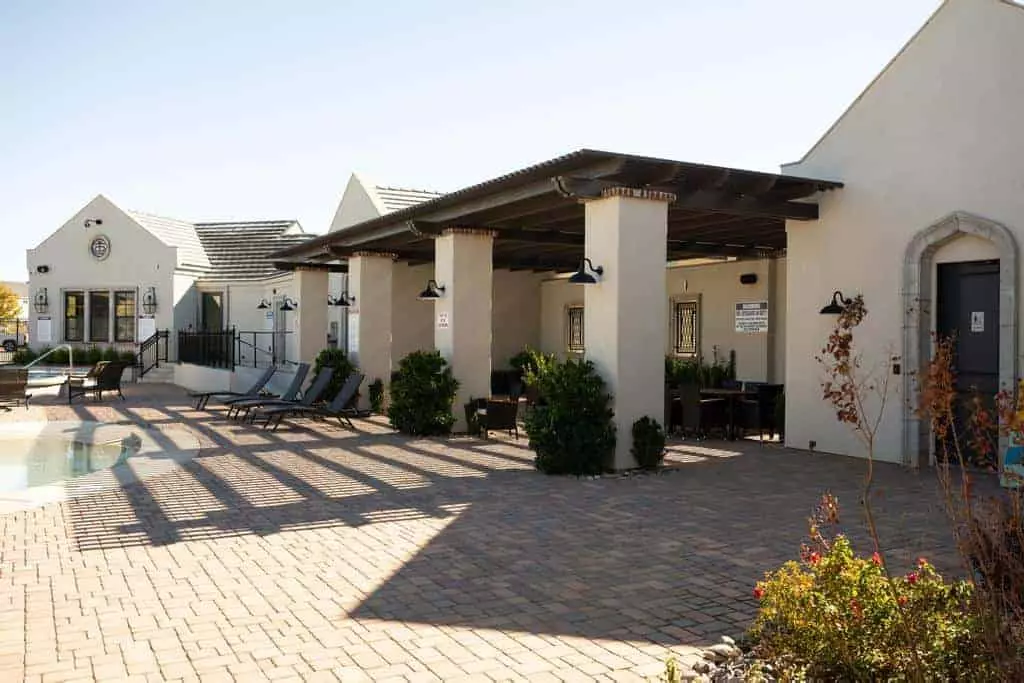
(137, 260)
(355, 206)
(412, 320)
(938, 132)
(516, 311)
(717, 287)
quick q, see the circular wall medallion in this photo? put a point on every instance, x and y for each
(100, 247)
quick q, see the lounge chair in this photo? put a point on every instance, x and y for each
(311, 395)
(203, 397)
(242, 404)
(13, 383)
(104, 376)
(338, 407)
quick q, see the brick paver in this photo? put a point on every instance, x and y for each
(315, 553)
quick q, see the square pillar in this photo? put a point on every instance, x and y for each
(624, 317)
(370, 278)
(462, 316)
(311, 313)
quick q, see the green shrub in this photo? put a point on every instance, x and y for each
(60, 357)
(697, 371)
(422, 394)
(834, 616)
(571, 429)
(24, 356)
(127, 357)
(377, 396)
(342, 366)
(531, 363)
(110, 353)
(648, 443)
(92, 355)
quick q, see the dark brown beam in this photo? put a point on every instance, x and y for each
(329, 267)
(724, 202)
(518, 211)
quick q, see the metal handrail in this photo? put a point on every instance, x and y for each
(71, 357)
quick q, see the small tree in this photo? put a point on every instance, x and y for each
(422, 393)
(10, 304)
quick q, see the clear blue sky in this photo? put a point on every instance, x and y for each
(260, 109)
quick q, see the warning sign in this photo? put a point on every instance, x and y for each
(752, 317)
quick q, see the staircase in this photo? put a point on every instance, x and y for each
(164, 374)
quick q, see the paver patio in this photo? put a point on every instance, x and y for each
(320, 554)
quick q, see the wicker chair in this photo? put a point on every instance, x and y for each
(104, 376)
(13, 385)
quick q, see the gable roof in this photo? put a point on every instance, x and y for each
(397, 198)
(240, 250)
(175, 233)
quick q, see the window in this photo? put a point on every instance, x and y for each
(99, 316)
(574, 329)
(74, 316)
(124, 316)
(685, 327)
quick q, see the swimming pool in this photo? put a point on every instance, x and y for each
(42, 462)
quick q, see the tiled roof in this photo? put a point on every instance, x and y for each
(175, 233)
(396, 198)
(239, 250)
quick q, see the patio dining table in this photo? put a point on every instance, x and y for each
(732, 397)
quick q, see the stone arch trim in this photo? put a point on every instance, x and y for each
(918, 290)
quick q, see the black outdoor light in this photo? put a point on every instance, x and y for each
(838, 305)
(89, 222)
(42, 303)
(149, 301)
(343, 299)
(582, 277)
(289, 304)
(432, 292)
(263, 304)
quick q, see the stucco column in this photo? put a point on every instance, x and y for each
(311, 314)
(624, 317)
(462, 316)
(370, 277)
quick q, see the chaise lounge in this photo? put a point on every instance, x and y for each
(203, 397)
(338, 407)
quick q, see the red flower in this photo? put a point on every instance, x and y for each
(912, 578)
(877, 559)
(902, 600)
(814, 558)
(758, 592)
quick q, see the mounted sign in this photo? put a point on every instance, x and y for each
(977, 321)
(352, 334)
(147, 328)
(752, 317)
(443, 321)
(43, 330)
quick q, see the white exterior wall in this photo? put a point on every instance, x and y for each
(137, 261)
(717, 287)
(412, 320)
(938, 132)
(515, 315)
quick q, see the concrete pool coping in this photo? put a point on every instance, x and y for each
(159, 451)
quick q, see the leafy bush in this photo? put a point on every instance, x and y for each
(24, 356)
(92, 355)
(422, 393)
(111, 354)
(571, 428)
(377, 396)
(835, 616)
(697, 371)
(531, 363)
(127, 357)
(648, 443)
(342, 366)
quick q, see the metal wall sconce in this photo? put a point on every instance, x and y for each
(89, 222)
(42, 303)
(344, 300)
(838, 305)
(289, 304)
(582, 277)
(263, 304)
(433, 291)
(149, 301)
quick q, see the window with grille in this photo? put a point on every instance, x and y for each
(686, 330)
(574, 329)
(74, 316)
(124, 316)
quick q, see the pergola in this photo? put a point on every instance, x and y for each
(537, 213)
(627, 215)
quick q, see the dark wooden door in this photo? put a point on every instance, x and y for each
(968, 313)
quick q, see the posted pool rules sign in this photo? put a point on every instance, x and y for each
(752, 316)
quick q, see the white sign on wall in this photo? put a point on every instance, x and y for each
(353, 333)
(44, 330)
(147, 328)
(752, 317)
(443, 320)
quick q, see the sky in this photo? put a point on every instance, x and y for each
(258, 109)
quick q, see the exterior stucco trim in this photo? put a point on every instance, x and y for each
(917, 295)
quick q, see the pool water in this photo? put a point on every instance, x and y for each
(27, 460)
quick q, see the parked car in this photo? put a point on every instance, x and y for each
(12, 337)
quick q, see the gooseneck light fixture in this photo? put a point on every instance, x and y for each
(289, 304)
(837, 305)
(149, 301)
(433, 291)
(263, 304)
(582, 277)
(343, 299)
(41, 302)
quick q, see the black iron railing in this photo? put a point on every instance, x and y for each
(212, 349)
(261, 349)
(13, 336)
(152, 352)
